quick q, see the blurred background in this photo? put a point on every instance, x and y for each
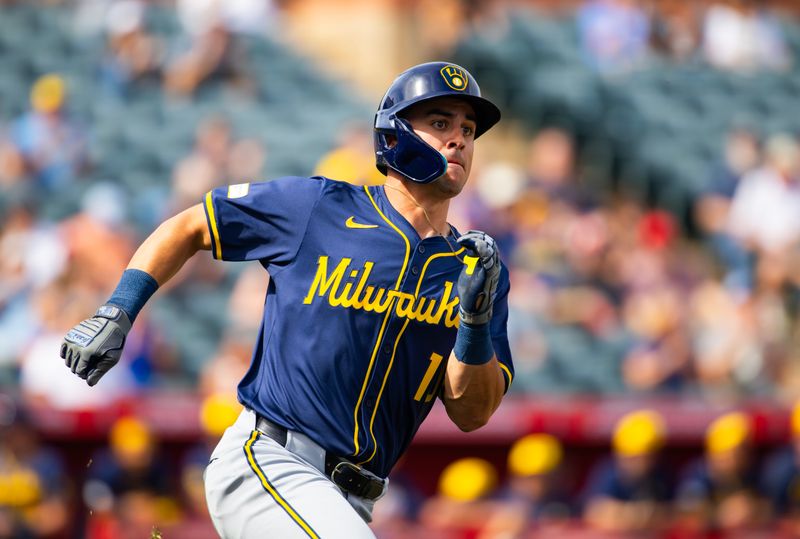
(644, 187)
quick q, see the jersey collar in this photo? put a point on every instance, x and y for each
(379, 194)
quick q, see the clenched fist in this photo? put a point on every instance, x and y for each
(93, 346)
(478, 282)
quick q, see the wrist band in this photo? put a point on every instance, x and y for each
(473, 344)
(134, 289)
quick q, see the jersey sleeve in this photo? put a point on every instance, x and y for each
(499, 327)
(261, 221)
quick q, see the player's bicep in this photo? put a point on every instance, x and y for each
(197, 227)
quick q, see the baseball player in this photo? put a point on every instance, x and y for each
(376, 306)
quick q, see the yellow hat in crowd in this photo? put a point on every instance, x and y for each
(130, 436)
(48, 92)
(218, 412)
(639, 433)
(796, 419)
(467, 479)
(727, 432)
(535, 454)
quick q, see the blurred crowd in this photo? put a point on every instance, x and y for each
(131, 485)
(639, 489)
(737, 35)
(609, 295)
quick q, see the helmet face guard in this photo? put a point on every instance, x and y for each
(406, 153)
(410, 155)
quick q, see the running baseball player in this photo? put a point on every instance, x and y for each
(376, 307)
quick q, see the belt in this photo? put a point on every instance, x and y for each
(346, 475)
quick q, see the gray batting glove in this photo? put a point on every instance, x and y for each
(478, 282)
(92, 347)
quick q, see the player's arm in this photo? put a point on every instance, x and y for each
(174, 242)
(472, 392)
(474, 384)
(93, 346)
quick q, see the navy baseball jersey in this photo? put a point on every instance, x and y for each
(360, 316)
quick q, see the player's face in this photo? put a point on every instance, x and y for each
(448, 125)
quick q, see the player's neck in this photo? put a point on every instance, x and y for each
(420, 206)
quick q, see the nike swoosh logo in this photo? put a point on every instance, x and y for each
(350, 223)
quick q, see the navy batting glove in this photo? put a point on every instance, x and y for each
(93, 346)
(478, 280)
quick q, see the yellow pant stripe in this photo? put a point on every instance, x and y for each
(248, 451)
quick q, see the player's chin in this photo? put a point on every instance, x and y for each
(452, 182)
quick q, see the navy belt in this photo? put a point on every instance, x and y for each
(346, 475)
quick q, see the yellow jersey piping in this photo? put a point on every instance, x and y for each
(213, 221)
(394, 350)
(383, 326)
(507, 371)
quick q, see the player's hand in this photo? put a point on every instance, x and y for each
(478, 282)
(92, 347)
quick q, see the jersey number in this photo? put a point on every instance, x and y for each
(435, 360)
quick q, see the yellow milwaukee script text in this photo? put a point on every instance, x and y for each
(356, 294)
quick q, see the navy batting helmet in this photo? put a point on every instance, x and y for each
(410, 155)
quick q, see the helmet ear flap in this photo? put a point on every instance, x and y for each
(411, 156)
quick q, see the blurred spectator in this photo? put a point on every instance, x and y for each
(740, 35)
(728, 352)
(676, 28)
(765, 212)
(659, 357)
(551, 167)
(12, 165)
(246, 304)
(535, 497)
(613, 34)
(211, 57)
(631, 493)
(461, 507)
(353, 159)
(222, 373)
(217, 413)
(33, 482)
(395, 517)
(133, 55)
(127, 489)
(246, 161)
(237, 16)
(217, 157)
(22, 266)
(712, 207)
(781, 479)
(51, 144)
(721, 492)
(204, 168)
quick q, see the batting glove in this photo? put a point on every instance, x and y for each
(478, 280)
(92, 347)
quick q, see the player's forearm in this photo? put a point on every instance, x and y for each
(472, 392)
(174, 242)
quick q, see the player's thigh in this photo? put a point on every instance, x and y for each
(262, 490)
